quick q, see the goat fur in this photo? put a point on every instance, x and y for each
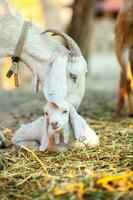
(124, 52)
(40, 135)
(41, 53)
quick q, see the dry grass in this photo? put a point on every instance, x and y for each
(103, 173)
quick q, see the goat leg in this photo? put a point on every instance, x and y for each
(121, 93)
(57, 138)
(130, 84)
(66, 136)
(125, 92)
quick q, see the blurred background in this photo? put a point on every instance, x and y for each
(91, 23)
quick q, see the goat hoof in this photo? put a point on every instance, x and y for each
(82, 138)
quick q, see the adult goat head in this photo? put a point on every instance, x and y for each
(67, 79)
(41, 53)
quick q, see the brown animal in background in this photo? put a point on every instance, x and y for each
(124, 52)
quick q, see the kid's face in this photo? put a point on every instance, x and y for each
(57, 117)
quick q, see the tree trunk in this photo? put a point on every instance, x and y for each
(81, 24)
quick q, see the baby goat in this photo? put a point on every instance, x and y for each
(57, 131)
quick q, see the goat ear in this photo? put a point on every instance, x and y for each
(55, 87)
(78, 124)
(81, 129)
(44, 136)
(91, 137)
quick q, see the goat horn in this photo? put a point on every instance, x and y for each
(73, 47)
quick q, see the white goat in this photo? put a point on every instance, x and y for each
(57, 131)
(41, 53)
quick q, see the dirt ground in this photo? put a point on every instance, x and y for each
(103, 173)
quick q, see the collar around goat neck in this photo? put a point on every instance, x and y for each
(16, 58)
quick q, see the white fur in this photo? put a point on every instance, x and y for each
(49, 61)
(58, 139)
(40, 54)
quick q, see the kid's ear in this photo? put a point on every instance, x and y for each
(78, 124)
(82, 130)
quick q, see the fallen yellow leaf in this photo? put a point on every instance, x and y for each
(70, 187)
(114, 177)
(120, 182)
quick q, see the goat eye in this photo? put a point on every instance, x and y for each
(73, 76)
(64, 112)
(46, 113)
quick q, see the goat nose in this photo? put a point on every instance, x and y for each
(54, 124)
